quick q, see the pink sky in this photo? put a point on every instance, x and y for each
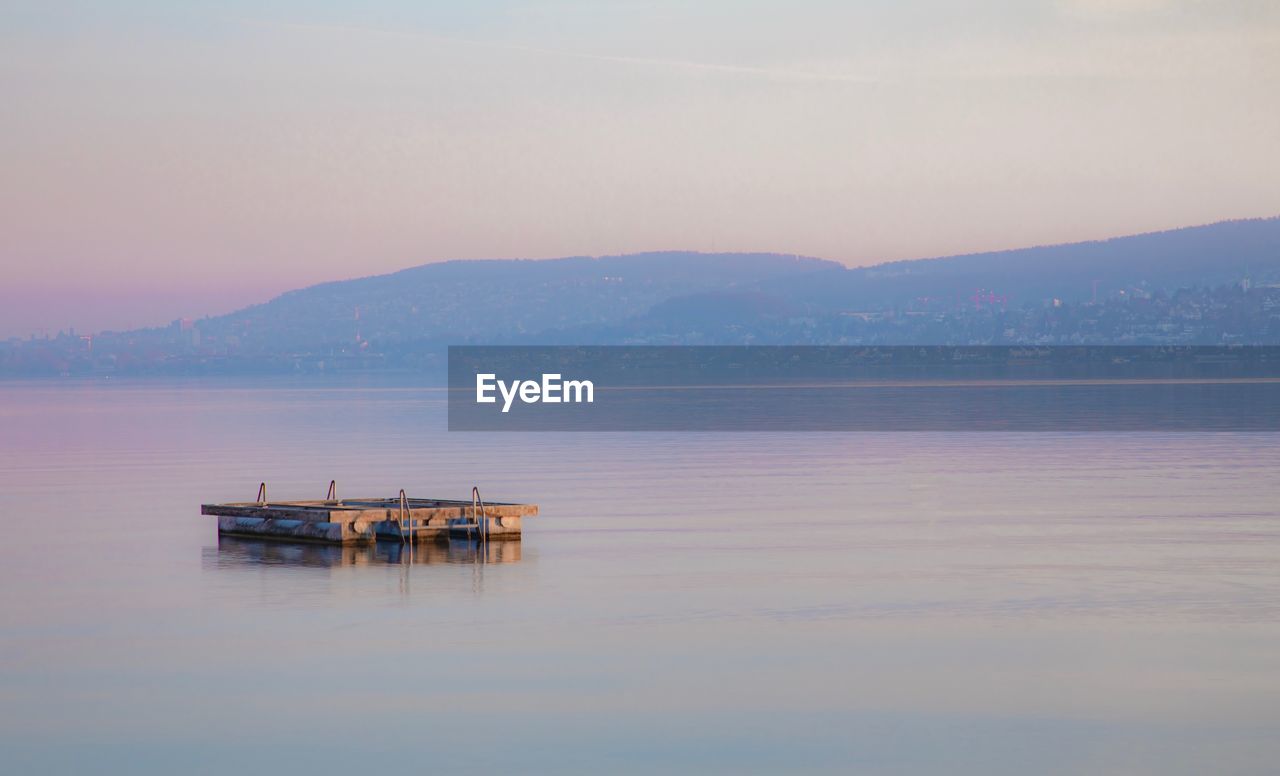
(189, 162)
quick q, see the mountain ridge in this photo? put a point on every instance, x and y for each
(651, 295)
(1260, 258)
(1215, 283)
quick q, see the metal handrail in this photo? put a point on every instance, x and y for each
(404, 510)
(262, 494)
(332, 495)
(482, 525)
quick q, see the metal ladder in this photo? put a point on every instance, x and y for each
(479, 516)
(482, 524)
(405, 520)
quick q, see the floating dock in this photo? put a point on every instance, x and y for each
(362, 520)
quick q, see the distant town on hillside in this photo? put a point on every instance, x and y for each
(1210, 285)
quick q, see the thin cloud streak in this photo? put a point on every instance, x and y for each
(766, 72)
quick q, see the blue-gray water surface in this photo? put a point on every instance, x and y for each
(712, 603)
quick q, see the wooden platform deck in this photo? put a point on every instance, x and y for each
(360, 520)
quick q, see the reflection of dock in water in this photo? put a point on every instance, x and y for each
(234, 551)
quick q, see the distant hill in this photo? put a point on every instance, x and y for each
(1194, 256)
(480, 301)
(1204, 285)
(590, 299)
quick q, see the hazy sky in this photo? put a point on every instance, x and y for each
(160, 161)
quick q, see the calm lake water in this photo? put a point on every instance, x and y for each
(719, 602)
